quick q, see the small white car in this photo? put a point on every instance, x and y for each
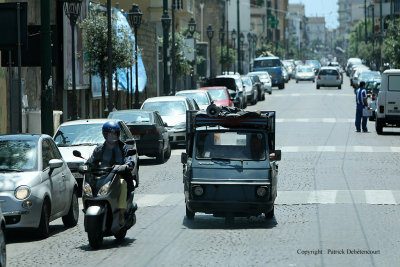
(329, 77)
(388, 102)
(202, 98)
(304, 73)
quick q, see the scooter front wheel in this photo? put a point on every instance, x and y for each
(121, 234)
(95, 234)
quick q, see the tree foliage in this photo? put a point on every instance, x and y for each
(226, 60)
(391, 44)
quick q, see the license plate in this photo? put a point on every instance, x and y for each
(77, 175)
(136, 136)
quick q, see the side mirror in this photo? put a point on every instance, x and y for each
(131, 152)
(276, 156)
(77, 153)
(55, 163)
(184, 158)
(165, 124)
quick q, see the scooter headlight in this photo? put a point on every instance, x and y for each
(87, 190)
(104, 189)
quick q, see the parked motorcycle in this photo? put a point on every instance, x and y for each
(100, 193)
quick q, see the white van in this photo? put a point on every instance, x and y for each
(388, 103)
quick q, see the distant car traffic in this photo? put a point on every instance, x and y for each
(149, 131)
(329, 77)
(84, 136)
(373, 88)
(172, 109)
(251, 89)
(202, 98)
(304, 73)
(36, 184)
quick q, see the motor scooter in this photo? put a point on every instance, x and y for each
(100, 194)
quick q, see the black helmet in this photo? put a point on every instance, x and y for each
(111, 127)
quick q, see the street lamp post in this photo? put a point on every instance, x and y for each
(221, 38)
(254, 45)
(135, 19)
(72, 9)
(210, 35)
(249, 36)
(165, 21)
(173, 48)
(233, 47)
(241, 40)
(192, 29)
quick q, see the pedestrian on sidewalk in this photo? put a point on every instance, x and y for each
(362, 103)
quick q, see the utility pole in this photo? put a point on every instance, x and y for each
(380, 33)
(238, 36)
(109, 61)
(365, 20)
(47, 81)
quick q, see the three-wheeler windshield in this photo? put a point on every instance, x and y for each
(230, 145)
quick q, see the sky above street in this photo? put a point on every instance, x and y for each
(321, 8)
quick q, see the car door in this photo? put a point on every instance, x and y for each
(55, 178)
(161, 128)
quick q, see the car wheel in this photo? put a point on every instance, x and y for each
(71, 219)
(160, 157)
(44, 227)
(121, 234)
(270, 214)
(297, 81)
(317, 86)
(339, 87)
(270, 92)
(372, 118)
(313, 81)
(379, 126)
(263, 96)
(168, 152)
(3, 252)
(189, 214)
(281, 86)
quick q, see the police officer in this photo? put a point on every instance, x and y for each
(362, 103)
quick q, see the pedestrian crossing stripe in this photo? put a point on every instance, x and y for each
(339, 149)
(369, 197)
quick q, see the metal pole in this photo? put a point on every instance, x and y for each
(391, 9)
(373, 33)
(365, 20)
(173, 49)
(227, 37)
(109, 55)
(46, 67)
(380, 33)
(238, 36)
(211, 74)
(74, 98)
(165, 50)
(136, 73)
(127, 89)
(131, 106)
(19, 68)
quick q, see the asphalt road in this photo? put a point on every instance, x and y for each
(338, 202)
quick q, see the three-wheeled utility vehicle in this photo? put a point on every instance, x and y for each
(229, 167)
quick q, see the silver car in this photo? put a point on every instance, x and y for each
(329, 77)
(84, 136)
(36, 184)
(265, 79)
(202, 98)
(304, 73)
(172, 110)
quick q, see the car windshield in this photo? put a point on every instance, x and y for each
(131, 117)
(218, 94)
(267, 63)
(18, 155)
(230, 145)
(79, 134)
(370, 75)
(166, 108)
(200, 98)
(246, 81)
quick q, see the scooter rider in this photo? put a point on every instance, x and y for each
(114, 152)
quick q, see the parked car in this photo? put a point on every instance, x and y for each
(202, 98)
(172, 110)
(36, 184)
(351, 62)
(388, 102)
(259, 85)
(355, 73)
(3, 250)
(239, 84)
(315, 64)
(373, 88)
(220, 95)
(231, 85)
(265, 79)
(329, 77)
(304, 73)
(84, 136)
(285, 74)
(251, 89)
(149, 131)
(368, 76)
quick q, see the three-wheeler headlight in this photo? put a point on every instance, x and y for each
(198, 190)
(261, 191)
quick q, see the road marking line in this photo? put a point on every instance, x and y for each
(371, 197)
(297, 95)
(379, 197)
(341, 149)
